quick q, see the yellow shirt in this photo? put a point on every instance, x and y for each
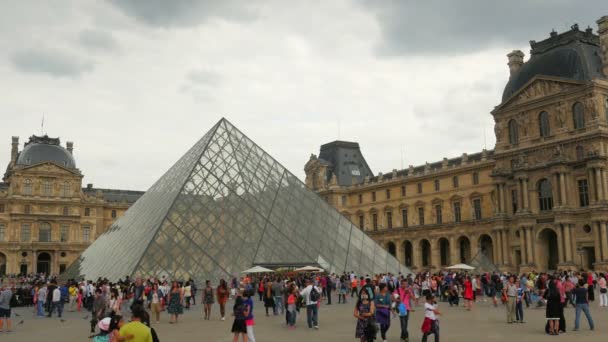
(72, 290)
(140, 332)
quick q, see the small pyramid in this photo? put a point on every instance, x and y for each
(225, 205)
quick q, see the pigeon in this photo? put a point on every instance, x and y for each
(17, 315)
(62, 320)
(20, 322)
(85, 317)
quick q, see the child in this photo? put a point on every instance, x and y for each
(79, 300)
(430, 324)
(401, 310)
(519, 305)
(240, 311)
(291, 308)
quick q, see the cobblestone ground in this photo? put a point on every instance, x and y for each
(484, 323)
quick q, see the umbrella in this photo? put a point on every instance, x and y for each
(258, 269)
(461, 267)
(308, 269)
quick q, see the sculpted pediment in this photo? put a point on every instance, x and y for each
(538, 87)
(49, 168)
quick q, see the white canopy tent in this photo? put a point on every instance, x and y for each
(309, 269)
(258, 269)
(464, 267)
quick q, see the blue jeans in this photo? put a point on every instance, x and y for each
(292, 317)
(312, 315)
(278, 305)
(519, 311)
(40, 306)
(585, 309)
(56, 306)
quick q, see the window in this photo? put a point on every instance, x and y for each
(44, 233)
(545, 195)
(438, 217)
(86, 233)
(27, 209)
(1, 207)
(343, 203)
(361, 222)
(375, 221)
(360, 198)
(583, 192)
(389, 220)
(62, 268)
(421, 216)
(475, 178)
(87, 211)
(66, 189)
(388, 194)
(436, 184)
(514, 200)
(455, 181)
(578, 115)
(64, 231)
(404, 217)
(580, 153)
(2, 231)
(543, 124)
(25, 232)
(419, 188)
(27, 187)
(66, 211)
(403, 191)
(513, 133)
(457, 215)
(47, 187)
(477, 208)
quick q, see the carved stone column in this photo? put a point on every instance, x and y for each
(604, 183)
(526, 195)
(604, 241)
(562, 188)
(454, 255)
(599, 187)
(568, 242)
(499, 248)
(400, 251)
(597, 241)
(501, 199)
(435, 255)
(560, 244)
(506, 255)
(529, 241)
(522, 245)
(416, 254)
(592, 187)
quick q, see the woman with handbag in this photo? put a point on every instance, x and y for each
(364, 313)
(601, 282)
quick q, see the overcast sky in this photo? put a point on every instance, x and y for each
(135, 83)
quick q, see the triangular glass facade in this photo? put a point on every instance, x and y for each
(225, 205)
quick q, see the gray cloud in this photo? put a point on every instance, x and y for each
(184, 13)
(454, 27)
(50, 61)
(97, 40)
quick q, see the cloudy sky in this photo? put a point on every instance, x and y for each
(135, 83)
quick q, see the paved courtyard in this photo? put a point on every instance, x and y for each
(484, 323)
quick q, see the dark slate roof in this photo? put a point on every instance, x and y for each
(115, 195)
(45, 149)
(345, 161)
(572, 55)
(435, 166)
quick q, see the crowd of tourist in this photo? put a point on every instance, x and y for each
(377, 300)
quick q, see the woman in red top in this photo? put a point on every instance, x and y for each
(468, 294)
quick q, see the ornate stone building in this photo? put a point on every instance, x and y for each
(539, 200)
(46, 218)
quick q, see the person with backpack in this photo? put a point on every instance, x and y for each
(312, 296)
(240, 312)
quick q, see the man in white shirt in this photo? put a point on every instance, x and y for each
(41, 300)
(312, 295)
(56, 302)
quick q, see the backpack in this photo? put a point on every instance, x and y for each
(314, 295)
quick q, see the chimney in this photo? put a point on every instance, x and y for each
(516, 60)
(602, 31)
(14, 149)
(69, 146)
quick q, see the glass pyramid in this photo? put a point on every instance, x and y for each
(224, 206)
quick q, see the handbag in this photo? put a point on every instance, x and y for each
(604, 290)
(503, 298)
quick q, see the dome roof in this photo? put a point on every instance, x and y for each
(44, 149)
(572, 55)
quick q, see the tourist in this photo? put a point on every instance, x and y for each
(582, 304)
(382, 302)
(291, 306)
(222, 297)
(105, 333)
(510, 292)
(554, 308)
(79, 300)
(329, 286)
(249, 319)
(56, 302)
(261, 289)
(468, 293)
(155, 299)
(115, 302)
(136, 329)
(240, 312)
(187, 295)
(354, 286)
(277, 292)
(268, 297)
(402, 310)
(208, 300)
(312, 295)
(364, 312)
(5, 308)
(41, 300)
(193, 290)
(601, 282)
(519, 305)
(175, 308)
(73, 292)
(342, 288)
(98, 308)
(430, 325)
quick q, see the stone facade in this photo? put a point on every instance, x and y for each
(46, 218)
(538, 201)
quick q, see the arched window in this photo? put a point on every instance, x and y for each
(545, 195)
(578, 115)
(513, 134)
(27, 187)
(44, 232)
(543, 124)
(580, 153)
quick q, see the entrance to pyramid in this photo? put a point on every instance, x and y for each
(224, 206)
